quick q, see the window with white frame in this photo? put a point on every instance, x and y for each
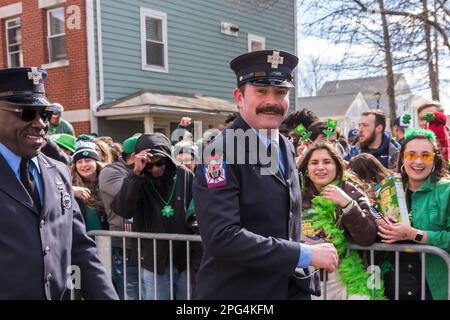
(256, 43)
(154, 40)
(14, 43)
(56, 35)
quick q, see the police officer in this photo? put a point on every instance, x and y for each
(43, 243)
(248, 209)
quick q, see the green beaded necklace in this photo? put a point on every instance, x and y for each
(167, 211)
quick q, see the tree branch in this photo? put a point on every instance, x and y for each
(419, 17)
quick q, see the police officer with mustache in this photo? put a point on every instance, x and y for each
(248, 209)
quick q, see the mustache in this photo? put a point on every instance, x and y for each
(272, 108)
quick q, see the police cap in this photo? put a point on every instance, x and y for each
(265, 68)
(23, 87)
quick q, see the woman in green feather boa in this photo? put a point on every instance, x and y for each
(337, 211)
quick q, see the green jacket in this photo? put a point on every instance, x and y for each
(430, 210)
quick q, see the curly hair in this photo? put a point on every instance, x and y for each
(304, 116)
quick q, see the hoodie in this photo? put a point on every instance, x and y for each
(140, 198)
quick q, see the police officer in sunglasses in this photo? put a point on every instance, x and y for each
(45, 251)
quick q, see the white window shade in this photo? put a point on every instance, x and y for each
(154, 40)
(56, 35)
(14, 43)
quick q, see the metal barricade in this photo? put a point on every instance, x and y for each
(103, 241)
(409, 248)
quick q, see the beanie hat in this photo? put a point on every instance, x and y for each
(84, 143)
(129, 144)
(64, 140)
(85, 137)
(353, 133)
(85, 152)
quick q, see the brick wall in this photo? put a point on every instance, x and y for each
(81, 127)
(67, 85)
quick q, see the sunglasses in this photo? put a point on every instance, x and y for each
(30, 114)
(412, 156)
(158, 164)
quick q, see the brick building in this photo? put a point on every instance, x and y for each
(51, 34)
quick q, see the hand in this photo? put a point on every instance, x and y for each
(336, 195)
(185, 121)
(382, 222)
(396, 232)
(81, 193)
(302, 148)
(324, 256)
(140, 161)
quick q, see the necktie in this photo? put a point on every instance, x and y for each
(28, 182)
(276, 149)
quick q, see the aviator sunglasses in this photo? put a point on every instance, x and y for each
(30, 113)
(412, 156)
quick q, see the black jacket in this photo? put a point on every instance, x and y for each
(138, 199)
(250, 226)
(37, 249)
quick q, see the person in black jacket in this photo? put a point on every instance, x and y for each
(42, 234)
(157, 194)
(248, 209)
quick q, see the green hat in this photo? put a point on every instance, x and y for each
(129, 144)
(65, 140)
(86, 137)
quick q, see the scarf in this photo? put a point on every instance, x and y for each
(351, 269)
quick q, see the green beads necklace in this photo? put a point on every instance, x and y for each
(167, 211)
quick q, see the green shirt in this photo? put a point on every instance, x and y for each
(63, 127)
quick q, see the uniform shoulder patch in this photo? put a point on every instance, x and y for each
(214, 170)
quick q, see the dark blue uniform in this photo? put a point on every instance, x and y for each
(249, 224)
(37, 249)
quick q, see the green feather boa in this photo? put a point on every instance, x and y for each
(351, 269)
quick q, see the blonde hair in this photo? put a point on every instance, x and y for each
(106, 156)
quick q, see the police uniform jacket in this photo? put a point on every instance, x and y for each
(249, 225)
(39, 250)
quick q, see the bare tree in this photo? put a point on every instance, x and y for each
(394, 38)
(389, 67)
(312, 76)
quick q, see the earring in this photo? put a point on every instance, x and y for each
(402, 169)
(306, 173)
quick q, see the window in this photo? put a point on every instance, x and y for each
(256, 43)
(14, 43)
(56, 35)
(154, 40)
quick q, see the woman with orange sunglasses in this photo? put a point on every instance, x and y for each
(427, 192)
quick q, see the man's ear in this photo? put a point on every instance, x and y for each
(238, 97)
(379, 129)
